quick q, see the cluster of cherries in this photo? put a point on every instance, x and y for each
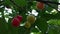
(30, 18)
(18, 19)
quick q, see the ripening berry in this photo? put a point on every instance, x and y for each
(19, 17)
(16, 21)
(27, 25)
(31, 19)
(40, 5)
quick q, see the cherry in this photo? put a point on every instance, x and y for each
(27, 25)
(19, 17)
(16, 21)
(31, 19)
(40, 5)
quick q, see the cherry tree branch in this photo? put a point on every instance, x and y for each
(48, 2)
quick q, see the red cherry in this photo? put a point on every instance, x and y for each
(19, 17)
(40, 5)
(15, 22)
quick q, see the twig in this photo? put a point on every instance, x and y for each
(52, 6)
(48, 2)
(15, 4)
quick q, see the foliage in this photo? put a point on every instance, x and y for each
(47, 20)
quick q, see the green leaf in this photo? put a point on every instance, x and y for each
(35, 30)
(42, 24)
(53, 31)
(54, 21)
(3, 26)
(20, 3)
(48, 8)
